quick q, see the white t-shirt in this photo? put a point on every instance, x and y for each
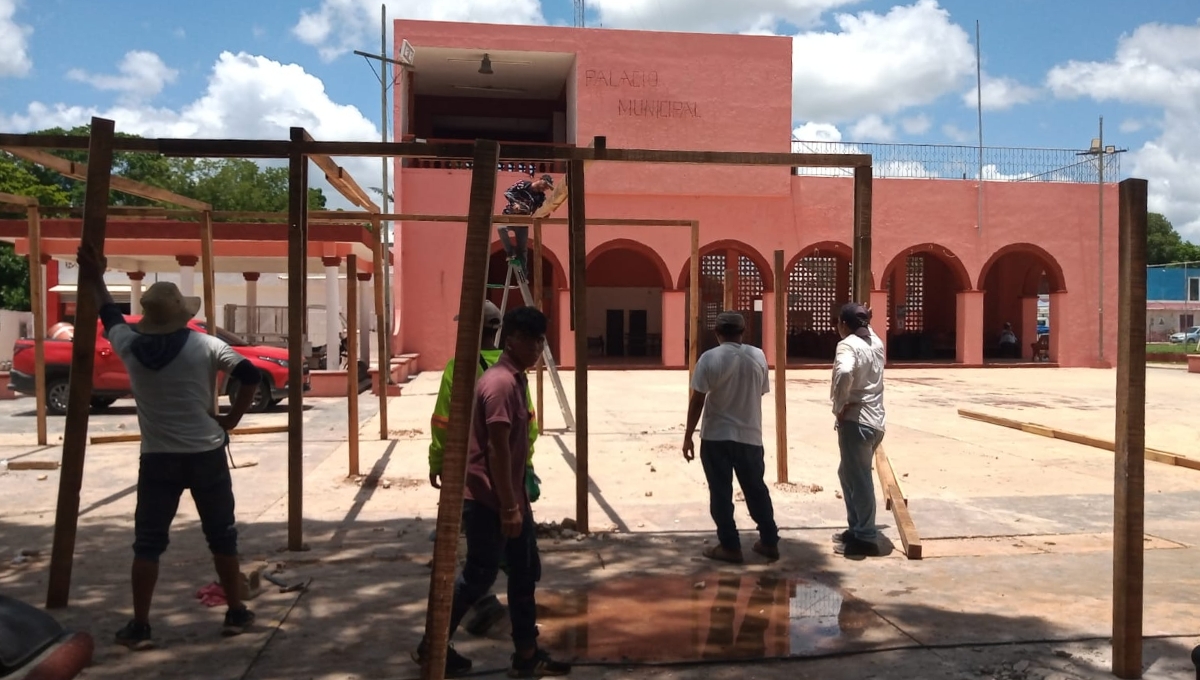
(734, 376)
(174, 403)
(857, 383)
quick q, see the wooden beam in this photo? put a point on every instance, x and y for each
(79, 171)
(83, 354)
(462, 407)
(861, 255)
(297, 278)
(577, 238)
(781, 300)
(383, 351)
(526, 219)
(539, 295)
(128, 437)
(209, 286)
(694, 322)
(352, 424)
(13, 199)
(909, 538)
(253, 148)
(731, 275)
(1154, 455)
(37, 300)
(1129, 522)
(341, 179)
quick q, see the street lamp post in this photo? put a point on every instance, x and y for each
(1100, 151)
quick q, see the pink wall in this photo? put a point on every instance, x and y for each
(744, 103)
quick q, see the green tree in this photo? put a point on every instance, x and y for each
(237, 184)
(1164, 245)
(17, 179)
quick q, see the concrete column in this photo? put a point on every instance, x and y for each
(333, 320)
(566, 337)
(251, 305)
(1028, 334)
(969, 332)
(135, 292)
(768, 326)
(674, 325)
(879, 316)
(366, 312)
(1058, 303)
(187, 274)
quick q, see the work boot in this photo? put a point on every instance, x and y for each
(456, 664)
(237, 621)
(135, 636)
(540, 665)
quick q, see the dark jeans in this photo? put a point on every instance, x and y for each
(722, 460)
(162, 477)
(486, 545)
(857, 444)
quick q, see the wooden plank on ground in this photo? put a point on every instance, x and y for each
(909, 536)
(17, 465)
(1154, 455)
(126, 437)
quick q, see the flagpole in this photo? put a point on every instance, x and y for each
(979, 109)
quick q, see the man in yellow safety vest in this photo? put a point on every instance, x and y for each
(488, 610)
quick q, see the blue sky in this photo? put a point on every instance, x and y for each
(178, 83)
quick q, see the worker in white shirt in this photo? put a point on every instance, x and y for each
(857, 395)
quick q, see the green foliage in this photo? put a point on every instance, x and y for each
(1164, 245)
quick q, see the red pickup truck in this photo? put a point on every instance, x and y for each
(110, 381)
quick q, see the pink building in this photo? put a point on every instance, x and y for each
(947, 282)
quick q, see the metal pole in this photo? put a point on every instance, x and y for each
(385, 374)
(979, 107)
(1100, 267)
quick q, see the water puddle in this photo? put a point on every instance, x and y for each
(713, 616)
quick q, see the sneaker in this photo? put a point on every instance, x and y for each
(540, 665)
(856, 547)
(486, 616)
(237, 621)
(842, 536)
(456, 664)
(135, 636)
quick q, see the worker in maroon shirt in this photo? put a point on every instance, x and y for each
(497, 518)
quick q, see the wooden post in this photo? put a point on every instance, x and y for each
(209, 287)
(462, 405)
(861, 257)
(539, 295)
(83, 354)
(695, 324)
(1130, 491)
(297, 311)
(781, 454)
(578, 240)
(352, 360)
(731, 275)
(382, 329)
(37, 294)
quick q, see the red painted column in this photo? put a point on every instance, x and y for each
(1027, 334)
(53, 300)
(879, 316)
(969, 328)
(674, 325)
(1057, 330)
(768, 326)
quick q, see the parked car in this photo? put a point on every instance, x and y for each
(110, 381)
(1190, 335)
(1043, 329)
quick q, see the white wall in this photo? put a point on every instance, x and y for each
(600, 300)
(13, 325)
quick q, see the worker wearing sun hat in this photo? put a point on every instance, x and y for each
(488, 610)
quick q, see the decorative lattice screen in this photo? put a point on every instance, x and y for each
(914, 294)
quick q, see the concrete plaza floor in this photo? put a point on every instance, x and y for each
(1016, 580)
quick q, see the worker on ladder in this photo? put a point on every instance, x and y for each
(488, 610)
(524, 198)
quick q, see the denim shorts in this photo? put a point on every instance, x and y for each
(162, 478)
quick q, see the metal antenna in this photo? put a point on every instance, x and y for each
(580, 13)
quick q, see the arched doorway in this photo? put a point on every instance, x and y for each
(732, 276)
(819, 283)
(625, 282)
(551, 282)
(1017, 282)
(922, 284)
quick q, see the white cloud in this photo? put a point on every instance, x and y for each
(1156, 65)
(340, 26)
(14, 44)
(247, 96)
(879, 64)
(142, 75)
(955, 133)
(1000, 94)
(916, 125)
(1130, 125)
(872, 128)
(746, 16)
(817, 132)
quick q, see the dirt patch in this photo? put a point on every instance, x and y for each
(801, 488)
(405, 434)
(398, 483)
